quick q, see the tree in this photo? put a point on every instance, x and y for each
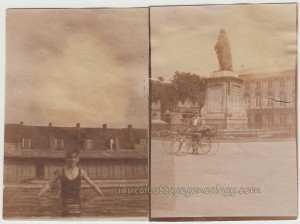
(165, 92)
(190, 86)
(181, 87)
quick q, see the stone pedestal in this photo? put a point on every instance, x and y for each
(224, 105)
(224, 74)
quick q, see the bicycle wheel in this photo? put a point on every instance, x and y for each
(167, 142)
(205, 145)
(176, 145)
(173, 144)
(214, 146)
(192, 145)
(188, 145)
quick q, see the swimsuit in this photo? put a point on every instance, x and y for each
(70, 190)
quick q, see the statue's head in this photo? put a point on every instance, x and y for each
(222, 31)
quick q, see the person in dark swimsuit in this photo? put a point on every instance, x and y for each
(70, 179)
(70, 190)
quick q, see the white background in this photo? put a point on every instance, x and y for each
(4, 4)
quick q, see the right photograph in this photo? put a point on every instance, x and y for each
(223, 112)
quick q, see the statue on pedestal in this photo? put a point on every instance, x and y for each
(223, 51)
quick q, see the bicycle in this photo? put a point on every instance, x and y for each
(173, 142)
(204, 142)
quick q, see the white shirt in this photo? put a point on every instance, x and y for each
(195, 121)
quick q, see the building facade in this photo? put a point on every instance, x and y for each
(270, 99)
(35, 152)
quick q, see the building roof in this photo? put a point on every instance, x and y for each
(41, 136)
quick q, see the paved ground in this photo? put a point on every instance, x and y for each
(271, 166)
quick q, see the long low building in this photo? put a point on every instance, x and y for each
(36, 152)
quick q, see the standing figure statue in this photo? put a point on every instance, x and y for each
(223, 51)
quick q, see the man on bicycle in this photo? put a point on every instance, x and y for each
(198, 125)
(204, 128)
(198, 129)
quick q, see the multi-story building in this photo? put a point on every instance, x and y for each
(270, 99)
(35, 152)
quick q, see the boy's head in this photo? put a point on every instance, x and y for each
(72, 158)
(72, 153)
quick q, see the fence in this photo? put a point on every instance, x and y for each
(236, 132)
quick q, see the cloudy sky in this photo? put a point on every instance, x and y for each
(263, 37)
(78, 65)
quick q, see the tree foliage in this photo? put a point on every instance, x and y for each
(165, 92)
(181, 87)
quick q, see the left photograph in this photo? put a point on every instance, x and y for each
(76, 114)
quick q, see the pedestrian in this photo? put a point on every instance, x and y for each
(70, 178)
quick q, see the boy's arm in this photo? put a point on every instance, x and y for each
(49, 184)
(91, 183)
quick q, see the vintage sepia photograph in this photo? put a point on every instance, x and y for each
(223, 112)
(76, 114)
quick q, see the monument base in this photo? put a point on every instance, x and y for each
(237, 123)
(216, 74)
(224, 106)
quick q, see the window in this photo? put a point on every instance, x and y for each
(282, 83)
(10, 146)
(258, 100)
(270, 102)
(228, 88)
(26, 143)
(282, 100)
(112, 143)
(270, 119)
(59, 143)
(293, 97)
(247, 86)
(270, 99)
(39, 170)
(143, 141)
(270, 84)
(258, 85)
(258, 120)
(247, 102)
(89, 144)
(282, 119)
